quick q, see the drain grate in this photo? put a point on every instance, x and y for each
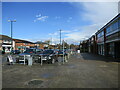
(35, 82)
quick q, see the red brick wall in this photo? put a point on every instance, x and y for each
(23, 44)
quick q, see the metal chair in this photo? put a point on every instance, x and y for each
(10, 59)
(36, 58)
(22, 59)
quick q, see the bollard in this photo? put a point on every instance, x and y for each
(60, 60)
(24, 59)
(66, 59)
(41, 60)
(30, 60)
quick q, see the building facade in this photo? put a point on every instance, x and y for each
(106, 41)
(84, 46)
(22, 45)
(5, 43)
(92, 44)
(100, 42)
(113, 38)
(42, 45)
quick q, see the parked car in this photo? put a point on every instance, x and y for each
(60, 53)
(15, 52)
(50, 56)
(38, 51)
(33, 52)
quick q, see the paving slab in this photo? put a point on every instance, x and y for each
(81, 71)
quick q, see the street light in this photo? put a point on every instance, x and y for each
(11, 32)
(60, 38)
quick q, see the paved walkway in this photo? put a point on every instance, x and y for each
(81, 71)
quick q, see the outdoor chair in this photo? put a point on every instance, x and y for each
(10, 59)
(36, 58)
(22, 59)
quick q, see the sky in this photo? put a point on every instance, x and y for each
(40, 21)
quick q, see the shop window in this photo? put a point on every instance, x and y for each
(108, 30)
(119, 23)
(101, 34)
(111, 49)
(115, 25)
(112, 27)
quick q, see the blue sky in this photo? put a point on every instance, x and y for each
(38, 21)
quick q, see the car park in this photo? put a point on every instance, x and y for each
(61, 53)
(32, 52)
(15, 52)
(50, 56)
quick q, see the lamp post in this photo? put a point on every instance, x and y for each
(60, 38)
(63, 52)
(11, 21)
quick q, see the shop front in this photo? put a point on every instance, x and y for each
(101, 45)
(6, 48)
(101, 48)
(113, 45)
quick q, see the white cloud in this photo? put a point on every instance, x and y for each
(57, 17)
(39, 17)
(101, 12)
(34, 20)
(77, 34)
(42, 18)
(66, 31)
(58, 32)
(69, 19)
(52, 34)
(98, 13)
(55, 41)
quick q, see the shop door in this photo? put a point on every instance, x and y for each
(117, 49)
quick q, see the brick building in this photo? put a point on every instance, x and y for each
(22, 45)
(100, 42)
(5, 43)
(42, 45)
(106, 41)
(92, 44)
(112, 36)
(84, 46)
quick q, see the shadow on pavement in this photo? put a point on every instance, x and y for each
(89, 56)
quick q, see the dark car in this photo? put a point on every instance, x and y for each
(33, 52)
(61, 53)
(15, 52)
(50, 56)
